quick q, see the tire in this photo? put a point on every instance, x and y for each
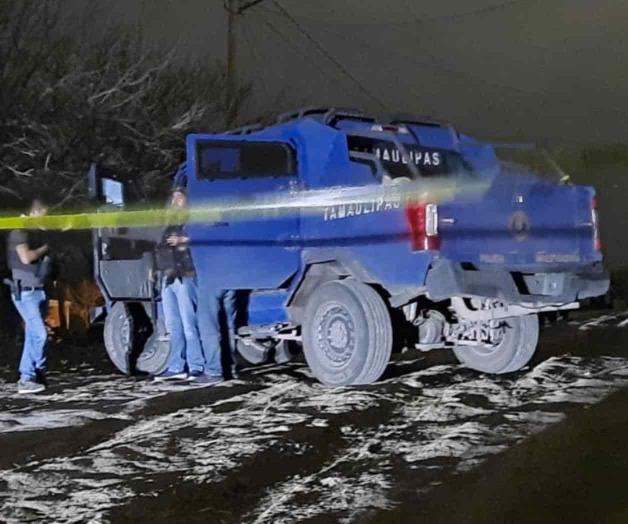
(430, 328)
(118, 336)
(257, 352)
(153, 359)
(511, 354)
(285, 351)
(127, 345)
(359, 349)
(252, 351)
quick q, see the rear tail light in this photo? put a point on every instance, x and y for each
(597, 243)
(423, 222)
(390, 128)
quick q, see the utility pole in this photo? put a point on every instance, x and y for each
(231, 6)
(235, 9)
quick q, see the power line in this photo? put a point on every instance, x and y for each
(471, 13)
(244, 7)
(437, 66)
(434, 64)
(290, 45)
(329, 56)
(440, 68)
(430, 19)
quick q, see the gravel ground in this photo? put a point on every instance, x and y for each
(277, 447)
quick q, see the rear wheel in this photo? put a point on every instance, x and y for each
(253, 351)
(514, 349)
(286, 351)
(260, 351)
(153, 358)
(347, 333)
(131, 341)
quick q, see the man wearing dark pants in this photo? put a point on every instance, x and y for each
(179, 299)
(26, 257)
(211, 302)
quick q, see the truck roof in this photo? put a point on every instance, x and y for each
(422, 131)
(350, 120)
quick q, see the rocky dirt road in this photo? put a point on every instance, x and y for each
(277, 447)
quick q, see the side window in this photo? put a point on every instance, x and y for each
(217, 160)
(428, 161)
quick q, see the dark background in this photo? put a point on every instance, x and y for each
(529, 69)
(123, 82)
(548, 72)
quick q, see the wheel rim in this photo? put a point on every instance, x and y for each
(499, 332)
(148, 352)
(335, 334)
(154, 356)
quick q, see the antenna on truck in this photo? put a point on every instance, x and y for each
(565, 178)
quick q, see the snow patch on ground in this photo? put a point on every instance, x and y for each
(50, 419)
(602, 321)
(327, 491)
(453, 415)
(199, 444)
(444, 417)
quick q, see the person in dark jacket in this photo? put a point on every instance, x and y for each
(179, 298)
(27, 258)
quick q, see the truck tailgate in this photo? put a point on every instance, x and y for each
(522, 222)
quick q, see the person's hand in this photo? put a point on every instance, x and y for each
(177, 240)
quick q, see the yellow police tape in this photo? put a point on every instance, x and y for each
(261, 207)
(100, 219)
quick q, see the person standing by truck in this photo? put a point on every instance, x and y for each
(179, 297)
(212, 303)
(29, 263)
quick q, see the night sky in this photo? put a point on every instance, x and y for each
(524, 69)
(546, 71)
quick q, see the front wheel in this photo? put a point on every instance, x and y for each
(347, 333)
(515, 347)
(131, 341)
(118, 336)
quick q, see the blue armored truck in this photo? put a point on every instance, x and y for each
(349, 281)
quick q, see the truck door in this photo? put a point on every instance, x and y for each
(252, 250)
(123, 257)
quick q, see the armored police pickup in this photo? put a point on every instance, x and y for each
(353, 281)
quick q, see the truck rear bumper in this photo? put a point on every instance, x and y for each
(447, 279)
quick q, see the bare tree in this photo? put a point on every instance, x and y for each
(66, 101)
(68, 98)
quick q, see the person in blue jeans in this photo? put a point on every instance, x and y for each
(211, 302)
(28, 261)
(179, 299)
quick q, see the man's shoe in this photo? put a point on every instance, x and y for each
(170, 375)
(30, 386)
(192, 375)
(205, 380)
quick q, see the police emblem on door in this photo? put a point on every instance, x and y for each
(519, 224)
